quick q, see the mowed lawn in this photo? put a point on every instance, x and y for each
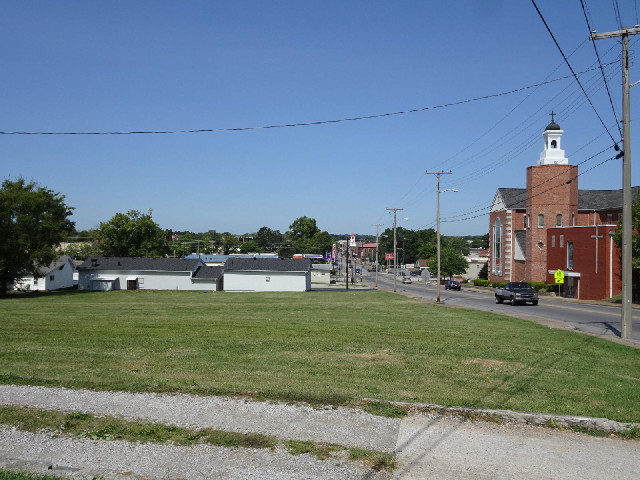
(326, 347)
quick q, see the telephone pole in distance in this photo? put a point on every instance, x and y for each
(377, 225)
(395, 249)
(437, 174)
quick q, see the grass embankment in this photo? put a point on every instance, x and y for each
(321, 347)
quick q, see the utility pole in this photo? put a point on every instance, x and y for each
(377, 225)
(395, 248)
(437, 174)
(627, 272)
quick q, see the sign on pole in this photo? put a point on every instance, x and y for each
(559, 276)
(388, 256)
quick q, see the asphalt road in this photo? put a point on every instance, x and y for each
(604, 320)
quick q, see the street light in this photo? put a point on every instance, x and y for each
(438, 232)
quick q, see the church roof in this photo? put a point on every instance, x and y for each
(603, 199)
(552, 126)
(516, 198)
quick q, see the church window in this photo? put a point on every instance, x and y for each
(559, 220)
(554, 144)
(573, 219)
(609, 218)
(497, 248)
(553, 241)
(524, 221)
(561, 241)
(570, 255)
(540, 220)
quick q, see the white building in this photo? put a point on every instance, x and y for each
(51, 277)
(123, 273)
(267, 275)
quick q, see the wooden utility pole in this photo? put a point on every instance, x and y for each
(395, 248)
(437, 174)
(627, 227)
(377, 225)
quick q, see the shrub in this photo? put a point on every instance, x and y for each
(539, 286)
(498, 284)
(479, 282)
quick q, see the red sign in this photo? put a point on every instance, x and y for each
(388, 256)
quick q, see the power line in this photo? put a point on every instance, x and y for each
(595, 48)
(616, 12)
(302, 124)
(540, 193)
(572, 71)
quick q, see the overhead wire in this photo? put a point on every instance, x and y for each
(291, 125)
(595, 48)
(572, 71)
(616, 12)
(539, 193)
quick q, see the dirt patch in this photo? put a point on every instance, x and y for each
(492, 363)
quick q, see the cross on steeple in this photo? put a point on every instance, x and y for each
(552, 114)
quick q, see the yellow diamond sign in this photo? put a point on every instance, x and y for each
(559, 276)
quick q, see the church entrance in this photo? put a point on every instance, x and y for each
(570, 285)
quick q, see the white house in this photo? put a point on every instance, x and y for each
(321, 273)
(267, 275)
(123, 273)
(51, 277)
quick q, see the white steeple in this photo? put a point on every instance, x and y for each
(552, 153)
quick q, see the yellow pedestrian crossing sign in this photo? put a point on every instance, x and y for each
(559, 276)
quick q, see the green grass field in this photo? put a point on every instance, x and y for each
(321, 347)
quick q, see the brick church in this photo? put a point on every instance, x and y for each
(553, 225)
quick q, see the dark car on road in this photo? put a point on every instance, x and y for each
(452, 285)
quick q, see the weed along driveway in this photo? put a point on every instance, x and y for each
(313, 354)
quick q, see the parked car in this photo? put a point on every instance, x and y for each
(406, 280)
(452, 285)
(517, 292)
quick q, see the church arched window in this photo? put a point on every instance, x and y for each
(541, 220)
(554, 144)
(559, 220)
(497, 248)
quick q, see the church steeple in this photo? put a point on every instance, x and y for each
(552, 153)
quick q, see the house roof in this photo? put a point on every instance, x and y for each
(139, 263)
(367, 245)
(56, 264)
(208, 273)
(268, 264)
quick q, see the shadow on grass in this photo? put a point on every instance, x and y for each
(540, 366)
(43, 293)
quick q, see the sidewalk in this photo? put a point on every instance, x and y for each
(426, 446)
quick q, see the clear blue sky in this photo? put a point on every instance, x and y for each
(167, 65)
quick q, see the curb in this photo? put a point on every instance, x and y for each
(527, 418)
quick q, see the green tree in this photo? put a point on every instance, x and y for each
(269, 240)
(484, 272)
(250, 246)
(33, 221)
(428, 250)
(635, 236)
(230, 243)
(80, 251)
(303, 227)
(452, 262)
(131, 235)
(305, 237)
